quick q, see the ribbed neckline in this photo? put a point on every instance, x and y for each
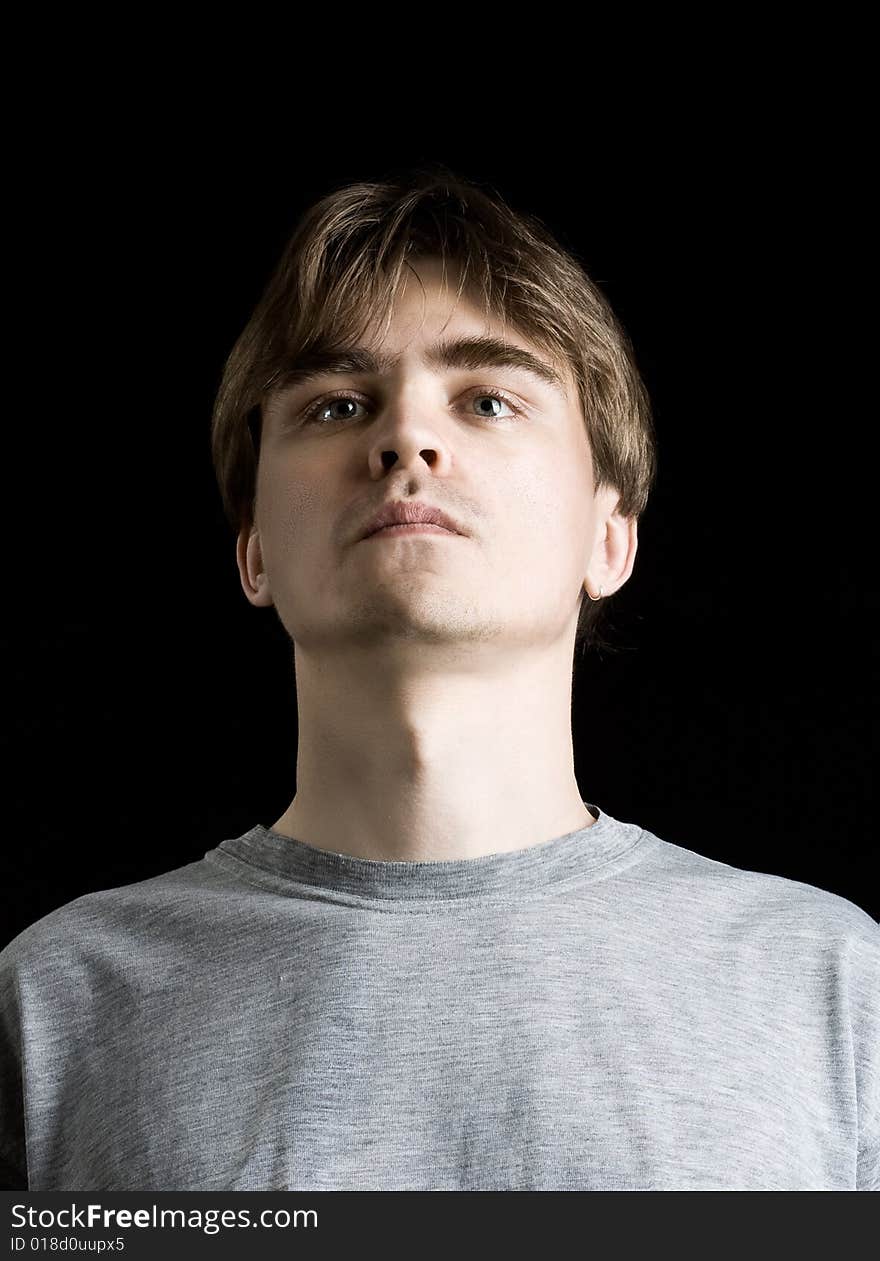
(509, 872)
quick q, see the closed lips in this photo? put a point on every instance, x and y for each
(404, 513)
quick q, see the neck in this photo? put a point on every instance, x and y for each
(413, 765)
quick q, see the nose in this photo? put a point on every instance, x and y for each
(408, 437)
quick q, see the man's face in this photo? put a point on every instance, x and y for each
(515, 474)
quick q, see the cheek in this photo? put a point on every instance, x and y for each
(550, 512)
(288, 515)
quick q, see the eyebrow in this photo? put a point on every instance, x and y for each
(460, 352)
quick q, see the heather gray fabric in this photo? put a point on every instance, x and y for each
(602, 1011)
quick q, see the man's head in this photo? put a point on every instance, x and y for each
(546, 480)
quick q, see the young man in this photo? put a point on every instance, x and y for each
(440, 968)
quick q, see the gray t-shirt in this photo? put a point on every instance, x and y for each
(602, 1011)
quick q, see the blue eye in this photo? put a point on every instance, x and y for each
(499, 398)
(313, 411)
(324, 403)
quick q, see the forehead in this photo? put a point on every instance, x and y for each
(427, 302)
(430, 324)
(426, 305)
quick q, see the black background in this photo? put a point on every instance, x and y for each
(152, 710)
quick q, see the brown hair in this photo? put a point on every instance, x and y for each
(342, 266)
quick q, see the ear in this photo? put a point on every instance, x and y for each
(614, 548)
(249, 557)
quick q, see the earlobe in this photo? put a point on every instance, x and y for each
(259, 592)
(260, 582)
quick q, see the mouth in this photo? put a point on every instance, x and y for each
(412, 514)
(413, 527)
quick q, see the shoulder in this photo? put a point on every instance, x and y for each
(105, 921)
(722, 898)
